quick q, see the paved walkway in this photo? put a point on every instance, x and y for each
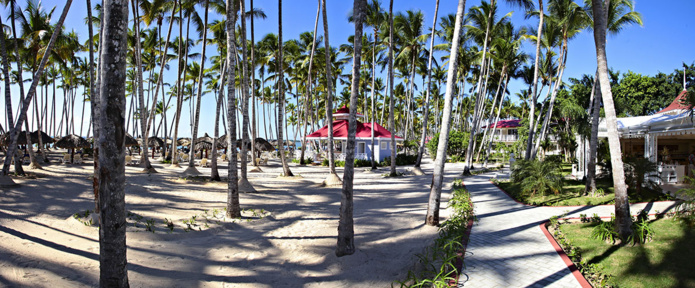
(507, 248)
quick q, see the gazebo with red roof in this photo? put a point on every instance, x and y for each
(363, 136)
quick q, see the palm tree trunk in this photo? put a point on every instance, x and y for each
(492, 111)
(32, 91)
(497, 119)
(593, 140)
(392, 125)
(307, 100)
(179, 86)
(281, 97)
(244, 184)
(333, 178)
(432, 217)
(253, 92)
(233, 207)
(623, 219)
(546, 121)
(425, 117)
(112, 235)
(145, 160)
(214, 174)
(373, 120)
(11, 129)
(191, 170)
(534, 94)
(346, 232)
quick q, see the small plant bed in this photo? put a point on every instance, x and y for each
(572, 194)
(486, 169)
(439, 265)
(665, 260)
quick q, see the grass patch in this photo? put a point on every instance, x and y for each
(572, 192)
(666, 261)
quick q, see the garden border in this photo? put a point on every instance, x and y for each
(459, 261)
(570, 265)
(571, 206)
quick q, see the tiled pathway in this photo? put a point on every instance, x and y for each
(507, 248)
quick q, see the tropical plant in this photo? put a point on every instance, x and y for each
(535, 176)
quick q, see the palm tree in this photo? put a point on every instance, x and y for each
(623, 219)
(281, 97)
(620, 14)
(410, 35)
(307, 99)
(392, 125)
(112, 235)
(244, 184)
(141, 93)
(346, 232)
(233, 207)
(432, 217)
(332, 179)
(191, 170)
(425, 117)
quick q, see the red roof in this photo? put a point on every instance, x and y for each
(677, 104)
(344, 110)
(506, 124)
(364, 130)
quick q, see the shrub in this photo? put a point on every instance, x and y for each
(640, 172)
(458, 142)
(306, 161)
(538, 176)
(686, 210)
(401, 159)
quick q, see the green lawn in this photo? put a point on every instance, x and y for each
(571, 195)
(666, 261)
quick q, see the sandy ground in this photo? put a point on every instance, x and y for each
(286, 239)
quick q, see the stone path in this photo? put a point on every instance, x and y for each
(507, 247)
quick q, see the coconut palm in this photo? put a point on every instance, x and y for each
(332, 179)
(233, 207)
(621, 13)
(432, 217)
(281, 97)
(309, 82)
(623, 219)
(112, 256)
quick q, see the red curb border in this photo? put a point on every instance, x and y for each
(573, 206)
(459, 261)
(570, 265)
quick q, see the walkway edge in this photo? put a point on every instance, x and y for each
(570, 265)
(459, 261)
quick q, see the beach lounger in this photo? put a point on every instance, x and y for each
(78, 159)
(66, 158)
(223, 157)
(204, 162)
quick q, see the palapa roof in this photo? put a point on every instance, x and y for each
(72, 141)
(204, 142)
(364, 130)
(21, 139)
(130, 141)
(184, 141)
(44, 137)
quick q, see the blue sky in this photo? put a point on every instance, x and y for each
(661, 45)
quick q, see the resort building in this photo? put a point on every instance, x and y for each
(363, 137)
(666, 138)
(507, 132)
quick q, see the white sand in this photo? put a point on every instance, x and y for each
(42, 245)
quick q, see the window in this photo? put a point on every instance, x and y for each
(361, 147)
(512, 132)
(384, 145)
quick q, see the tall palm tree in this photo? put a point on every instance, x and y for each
(332, 179)
(113, 270)
(141, 93)
(432, 217)
(392, 125)
(346, 232)
(244, 184)
(309, 82)
(233, 207)
(191, 170)
(621, 13)
(281, 97)
(425, 116)
(622, 205)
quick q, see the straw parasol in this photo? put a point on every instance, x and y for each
(21, 139)
(130, 141)
(204, 142)
(72, 142)
(263, 145)
(44, 137)
(183, 141)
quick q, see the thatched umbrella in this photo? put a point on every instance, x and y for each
(154, 142)
(72, 142)
(183, 141)
(204, 143)
(262, 145)
(130, 141)
(44, 137)
(21, 140)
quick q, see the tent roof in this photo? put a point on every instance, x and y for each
(344, 111)
(364, 130)
(506, 124)
(677, 104)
